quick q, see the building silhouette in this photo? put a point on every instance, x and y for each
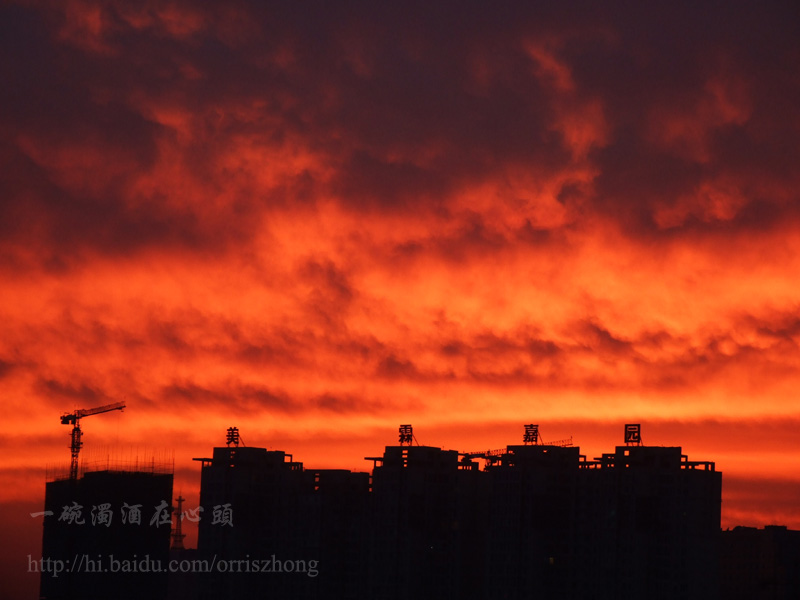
(427, 525)
(532, 520)
(292, 532)
(760, 564)
(98, 530)
(533, 528)
(649, 525)
(537, 521)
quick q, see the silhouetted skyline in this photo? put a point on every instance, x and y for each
(641, 521)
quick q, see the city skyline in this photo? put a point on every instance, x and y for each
(425, 521)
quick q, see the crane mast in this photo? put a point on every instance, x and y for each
(74, 419)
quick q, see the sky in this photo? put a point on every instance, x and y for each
(318, 222)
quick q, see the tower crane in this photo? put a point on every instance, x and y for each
(75, 420)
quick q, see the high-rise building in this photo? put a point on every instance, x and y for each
(542, 521)
(108, 533)
(427, 524)
(533, 525)
(539, 520)
(280, 530)
(649, 521)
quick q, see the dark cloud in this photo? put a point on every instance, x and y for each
(601, 341)
(5, 368)
(393, 367)
(407, 108)
(329, 280)
(782, 327)
(543, 348)
(347, 404)
(60, 391)
(656, 360)
(236, 397)
(518, 357)
(721, 74)
(228, 396)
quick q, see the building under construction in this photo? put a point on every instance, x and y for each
(105, 516)
(532, 521)
(107, 524)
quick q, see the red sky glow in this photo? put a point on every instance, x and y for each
(316, 223)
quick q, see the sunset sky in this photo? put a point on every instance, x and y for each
(316, 221)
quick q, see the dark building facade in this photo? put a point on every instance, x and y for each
(649, 521)
(533, 528)
(760, 564)
(282, 531)
(427, 525)
(108, 532)
(537, 521)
